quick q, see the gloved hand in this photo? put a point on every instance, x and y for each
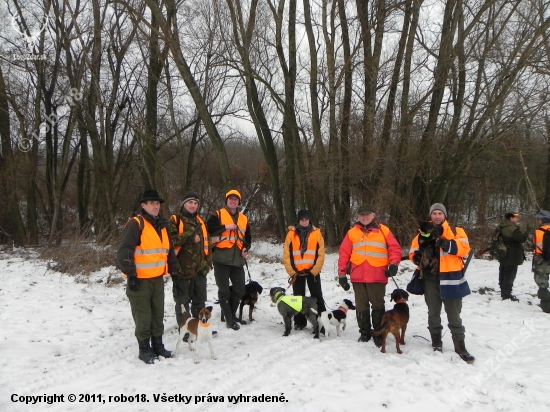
(304, 273)
(133, 283)
(391, 271)
(444, 244)
(343, 281)
(417, 257)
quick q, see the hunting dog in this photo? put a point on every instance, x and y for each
(427, 239)
(336, 318)
(395, 321)
(288, 306)
(251, 292)
(199, 330)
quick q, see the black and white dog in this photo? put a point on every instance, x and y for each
(288, 306)
(336, 318)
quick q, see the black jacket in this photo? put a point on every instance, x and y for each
(514, 239)
(131, 238)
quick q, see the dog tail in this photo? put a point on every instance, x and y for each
(378, 332)
(185, 316)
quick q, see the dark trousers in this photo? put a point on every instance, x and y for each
(369, 294)
(314, 286)
(189, 291)
(453, 307)
(506, 277)
(225, 273)
(147, 306)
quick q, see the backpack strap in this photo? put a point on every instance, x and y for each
(453, 229)
(139, 220)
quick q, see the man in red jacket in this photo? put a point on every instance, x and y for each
(370, 254)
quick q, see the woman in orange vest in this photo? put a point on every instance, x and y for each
(303, 257)
(370, 254)
(230, 239)
(145, 256)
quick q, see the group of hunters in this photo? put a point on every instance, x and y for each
(186, 247)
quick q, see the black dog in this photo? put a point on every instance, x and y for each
(251, 292)
(289, 306)
(427, 239)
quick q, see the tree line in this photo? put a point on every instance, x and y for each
(298, 104)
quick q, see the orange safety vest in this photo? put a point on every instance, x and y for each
(306, 260)
(537, 239)
(370, 246)
(151, 255)
(181, 229)
(228, 238)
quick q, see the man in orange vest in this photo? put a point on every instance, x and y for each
(448, 286)
(231, 240)
(145, 255)
(189, 285)
(541, 267)
(303, 257)
(370, 254)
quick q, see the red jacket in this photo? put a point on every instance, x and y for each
(365, 272)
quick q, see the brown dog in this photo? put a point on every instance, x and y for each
(395, 321)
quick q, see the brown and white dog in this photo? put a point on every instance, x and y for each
(395, 321)
(199, 329)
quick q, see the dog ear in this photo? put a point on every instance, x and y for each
(260, 288)
(209, 308)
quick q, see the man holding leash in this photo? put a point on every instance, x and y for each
(370, 254)
(448, 286)
(145, 255)
(303, 257)
(190, 239)
(231, 240)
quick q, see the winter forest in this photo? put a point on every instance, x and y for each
(297, 104)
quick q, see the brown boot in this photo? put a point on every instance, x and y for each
(460, 348)
(437, 345)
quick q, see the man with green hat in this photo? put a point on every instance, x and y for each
(370, 254)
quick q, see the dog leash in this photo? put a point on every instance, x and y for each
(246, 264)
(396, 285)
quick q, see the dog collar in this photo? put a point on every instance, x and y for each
(343, 309)
(400, 301)
(276, 296)
(204, 325)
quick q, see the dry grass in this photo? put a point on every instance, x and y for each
(80, 257)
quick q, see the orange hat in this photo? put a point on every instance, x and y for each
(234, 193)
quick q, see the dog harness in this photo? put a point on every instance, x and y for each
(295, 302)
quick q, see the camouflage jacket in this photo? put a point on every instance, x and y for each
(192, 258)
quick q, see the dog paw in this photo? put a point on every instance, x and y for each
(286, 333)
(400, 351)
(383, 350)
(214, 357)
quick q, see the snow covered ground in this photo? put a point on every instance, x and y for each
(61, 337)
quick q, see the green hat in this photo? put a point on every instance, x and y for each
(365, 210)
